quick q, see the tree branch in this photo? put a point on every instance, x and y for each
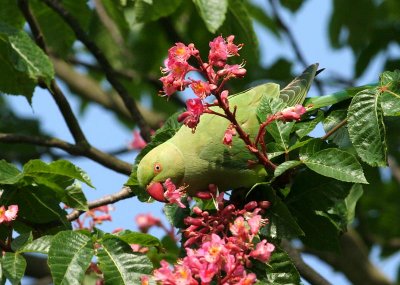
(104, 63)
(54, 89)
(90, 90)
(299, 55)
(353, 261)
(105, 159)
(123, 194)
(305, 271)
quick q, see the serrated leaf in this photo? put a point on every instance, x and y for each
(310, 147)
(119, 264)
(13, 267)
(145, 12)
(39, 245)
(295, 92)
(23, 63)
(139, 238)
(9, 174)
(176, 214)
(281, 223)
(212, 12)
(70, 254)
(366, 128)
(304, 128)
(337, 164)
(286, 166)
(280, 270)
(390, 98)
(75, 198)
(59, 167)
(279, 130)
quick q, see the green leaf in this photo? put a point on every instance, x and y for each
(310, 195)
(13, 267)
(75, 198)
(337, 164)
(23, 63)
(340, 136)
(9, 174)
(292, 5)
(390, 98)
(366, 128)
(212, 12)
(295, 92)
(286, 166)
(259, 15)
(281, 222)
(59, 167)
(11, 15)
(119, 264)
(146, 12)
(39, 245)
(305, 127)
(176, 214)
(139, 238)
(279, 130)
(346, 209)
(70, 254)
(310, 147)
(279, 270)
(52, 25)
(21, 240)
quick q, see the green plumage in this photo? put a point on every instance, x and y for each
(200, 159)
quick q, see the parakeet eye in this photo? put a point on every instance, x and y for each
(157, 168)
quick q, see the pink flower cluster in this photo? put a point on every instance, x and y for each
(8, 215)
(216, 72)
(292, 113)
(95, 216)
(220, 247)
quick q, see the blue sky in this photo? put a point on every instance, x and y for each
(309, 26)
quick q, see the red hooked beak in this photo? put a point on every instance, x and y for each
(156, 191)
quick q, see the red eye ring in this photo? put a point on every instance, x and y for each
(157, 167)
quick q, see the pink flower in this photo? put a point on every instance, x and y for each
(214, 250)
(255, 224)
(173, 194)
(232, 48)
(144, 280)
(138, 142)
(201, 88)
(164, 273)
(8, 215)
(293, 113)
(228, 136)
(146, 221)
(180, 52)
(232, 71)
(248, 279)
(168, 85)
(263, 251)
(238, 228)
(218, 52)
(191, 117)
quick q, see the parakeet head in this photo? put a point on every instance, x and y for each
(162, 162)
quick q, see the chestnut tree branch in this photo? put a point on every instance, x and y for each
(109, 71)
(123, 194)
(95, 154)
(305, 271)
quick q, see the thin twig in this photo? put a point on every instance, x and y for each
(109, 71)
(123, 194)
(104, 159)
(334, 129)
(61, 101)
(299, 55)
(305, 271)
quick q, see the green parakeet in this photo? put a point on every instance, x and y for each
(199, 159)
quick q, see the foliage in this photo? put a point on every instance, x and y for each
(313, 189)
